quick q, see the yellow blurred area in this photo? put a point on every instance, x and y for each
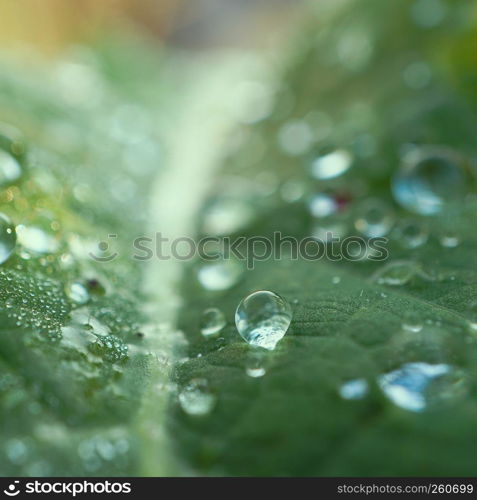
(49, 25)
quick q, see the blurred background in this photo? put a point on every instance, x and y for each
(49, 25)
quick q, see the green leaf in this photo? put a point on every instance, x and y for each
(346, 324)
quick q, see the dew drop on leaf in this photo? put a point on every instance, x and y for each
(449, 240)
(412, 234)
(354, 389)
(212, 321)
(219, 275)
(10, 169)
(414, 386)
(331, 165)
(77, 293)
(429, 178)
(375, 219)
(255, 365)
(196, 398)
(36, 240)
(412, 322)
(8, 238)
(262, 318)
(396, 273)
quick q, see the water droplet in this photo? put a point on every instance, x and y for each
(429, 178)
(412, 322)
(354, 389)
(375, 220)
(331, 165)
(449, 240)
(196, 398)
(412, 234)
(411, 386)
(263, 318)
(212, 321)
(336, 280)
(110, 348)
(396, 273)
(8, 238)
(329, 230)
(295, 137)
(226, 215)
(36, 240)
(471, 314)
(77, 293)
(255, 365)
(10, 169)
(292, 190)
(417, 75)
(428, 13)
(219, 275)
(322, 205)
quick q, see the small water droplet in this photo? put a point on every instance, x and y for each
(375, 219)
(262, 318)
(412, 234)
(412, 322)
(219, 275)
(331, 165)
(10, 169)
(417, 75)
(255, 365)
(354, 389)
(8, 238)
(77, 292)
(429, 178)
(212, 321)
(36, 240)
(196, 398)
(428, 13)
(449, 240)
(295, 137)
(336, 280)
(322, 205)
(471, 314)
(226, 215)
(396, 273)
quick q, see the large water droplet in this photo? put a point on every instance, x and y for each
(196, 398)
(332, 164)
(263, 318)
(411, 386)
(212, 321)
(429, 178)
(8, 238)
